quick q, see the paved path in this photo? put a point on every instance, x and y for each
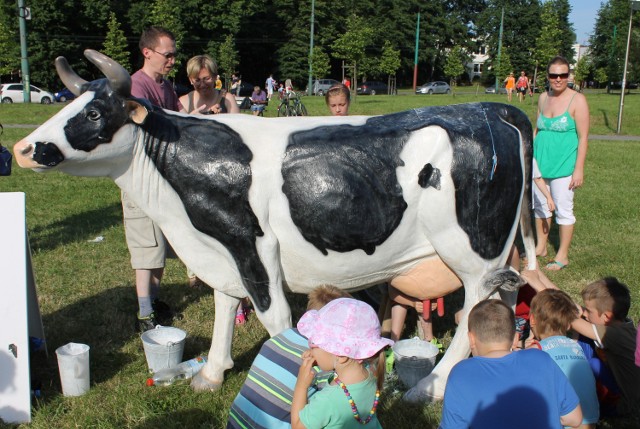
(591, 136)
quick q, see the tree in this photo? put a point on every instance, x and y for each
(390, 59)
(503, 66)
(9, 49)
(548, 43)
(582, 71)
(351, 45)
(115, 43)
(454, 66)
(228, 58)
(567, 36)
(320, 62)
(609, 41)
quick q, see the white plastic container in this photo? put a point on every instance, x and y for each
(73, 364)
(163, 347)
(414, 360)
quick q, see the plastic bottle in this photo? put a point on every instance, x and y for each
(182, 371)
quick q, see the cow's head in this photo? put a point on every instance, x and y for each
(89, 127)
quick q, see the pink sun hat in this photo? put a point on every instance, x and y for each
(344, 327)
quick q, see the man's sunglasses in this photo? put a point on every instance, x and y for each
(167, 55)
(558, 75)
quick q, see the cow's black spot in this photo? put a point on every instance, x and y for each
(486, 205)
(207, 164)
(429, 177)
(99, 120)
(342, 187)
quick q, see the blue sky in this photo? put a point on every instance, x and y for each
(583, 17)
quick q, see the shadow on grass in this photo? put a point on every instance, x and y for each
(106, 322)
(75, 227)
(605, 118)
(191, 418)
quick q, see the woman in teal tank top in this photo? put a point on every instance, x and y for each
(560, 149)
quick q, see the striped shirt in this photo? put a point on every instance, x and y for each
(264, 401)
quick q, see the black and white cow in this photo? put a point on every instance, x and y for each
(254, 205)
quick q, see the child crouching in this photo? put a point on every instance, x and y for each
(344, 337)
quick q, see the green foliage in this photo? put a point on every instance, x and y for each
(548, 43)
(9, 48)
(503, 67)
(390, 59)
(115, 44)
(583, 70)
(227, 58)
(608, 43)
(351, 45)
(454, 66)
(600, 76)
(320, 63)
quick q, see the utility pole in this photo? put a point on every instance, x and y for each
(635, 5)
(310, 83)
(23, 14)
(500, 46)
(415, 60)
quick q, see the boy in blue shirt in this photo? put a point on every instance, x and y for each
(552, 312)
(491, 389)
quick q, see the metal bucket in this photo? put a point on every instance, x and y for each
(414, 360)
(163, 347)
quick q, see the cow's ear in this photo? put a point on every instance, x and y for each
(136, 111)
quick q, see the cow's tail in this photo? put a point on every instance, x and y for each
(522, 122)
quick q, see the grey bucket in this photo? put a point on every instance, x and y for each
(414, 359)
(163, 347)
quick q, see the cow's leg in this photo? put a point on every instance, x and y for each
(219, 359)
(277, 317)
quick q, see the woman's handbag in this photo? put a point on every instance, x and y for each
(5, 159)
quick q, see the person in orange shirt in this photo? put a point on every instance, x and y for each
(510, 85)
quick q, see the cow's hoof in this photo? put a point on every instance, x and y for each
(200, 384)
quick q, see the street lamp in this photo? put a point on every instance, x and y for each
(635, 5)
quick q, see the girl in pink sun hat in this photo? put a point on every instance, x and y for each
(344, 337)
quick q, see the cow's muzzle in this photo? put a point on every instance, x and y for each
(42, 154)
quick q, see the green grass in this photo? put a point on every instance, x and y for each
(86, 291)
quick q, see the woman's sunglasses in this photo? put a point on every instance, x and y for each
(558, 75)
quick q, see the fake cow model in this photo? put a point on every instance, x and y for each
(252, 205)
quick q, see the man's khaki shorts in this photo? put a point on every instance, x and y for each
(147, 245)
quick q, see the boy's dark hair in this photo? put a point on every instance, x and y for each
(322, 295)
(152, 35)
(558, 59)
(553, 311)
(608, 294)
(492, 321)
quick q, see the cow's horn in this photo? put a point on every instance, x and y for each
(70, 79)
(117, 75)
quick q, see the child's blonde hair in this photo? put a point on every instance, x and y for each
(608, 294)
(323, 295)
(553, 311)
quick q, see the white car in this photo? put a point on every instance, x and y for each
(12, 93)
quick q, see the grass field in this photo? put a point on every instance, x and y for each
(86, 291)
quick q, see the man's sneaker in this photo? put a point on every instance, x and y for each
(144, 324)
(163, 312)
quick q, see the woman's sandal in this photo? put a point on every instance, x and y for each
(555, 266)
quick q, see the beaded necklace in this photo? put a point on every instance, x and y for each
(354, 409)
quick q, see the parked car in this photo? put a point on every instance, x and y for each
(627, 85)
(437, 87)
(492, 90)
(372, 88)
(13, 93)
(64, 95)
(321, 86)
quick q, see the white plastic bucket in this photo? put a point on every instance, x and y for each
(414, 360)
(73, 364)
(163, 347)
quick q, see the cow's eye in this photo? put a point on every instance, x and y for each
(94, 115)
